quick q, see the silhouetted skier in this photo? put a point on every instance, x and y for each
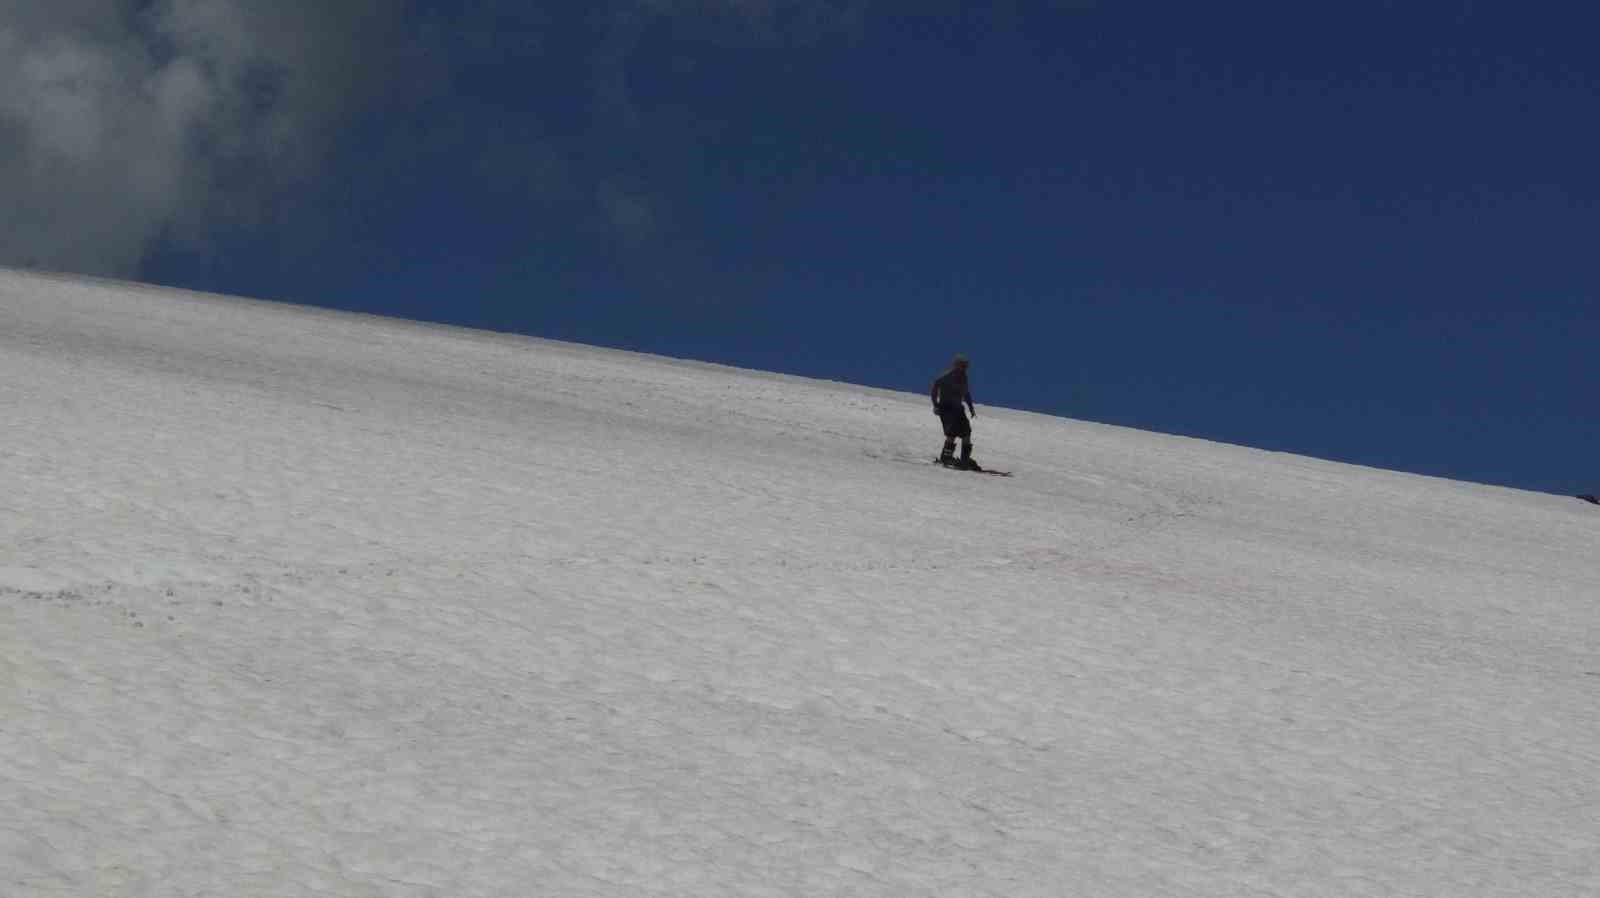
(950, 392)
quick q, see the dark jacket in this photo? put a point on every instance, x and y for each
(950, 390)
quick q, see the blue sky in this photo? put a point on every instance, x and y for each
(1355, 231)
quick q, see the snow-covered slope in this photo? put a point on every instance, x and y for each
(301, 603)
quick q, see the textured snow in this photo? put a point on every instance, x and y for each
(301, 603)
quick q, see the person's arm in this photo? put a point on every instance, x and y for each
(933, 394)
(970, 407)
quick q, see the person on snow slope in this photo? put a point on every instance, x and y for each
(950, 393)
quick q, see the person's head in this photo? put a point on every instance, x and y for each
(960, 362)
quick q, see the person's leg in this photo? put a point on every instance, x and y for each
(952, 429)
(966, 441)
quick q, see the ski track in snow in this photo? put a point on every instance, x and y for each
(301, 603)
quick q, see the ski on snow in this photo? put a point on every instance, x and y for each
(990, 471)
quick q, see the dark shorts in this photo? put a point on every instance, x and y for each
(955, 422)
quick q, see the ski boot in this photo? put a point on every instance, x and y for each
(966, 458)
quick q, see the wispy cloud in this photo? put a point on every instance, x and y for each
(123, 122)
(127, 125)
(637, 215)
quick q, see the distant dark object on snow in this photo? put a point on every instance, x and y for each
(1591, 499)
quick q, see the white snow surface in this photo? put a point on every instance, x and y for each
(295, 602)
